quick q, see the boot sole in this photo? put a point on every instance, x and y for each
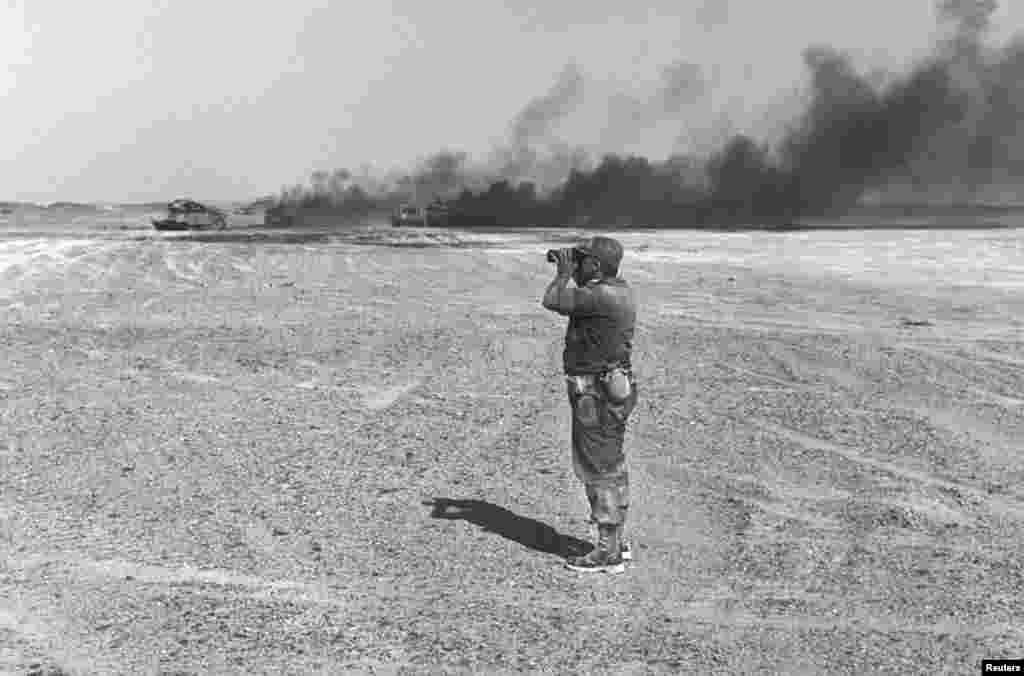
(612, 568)
(627, 555)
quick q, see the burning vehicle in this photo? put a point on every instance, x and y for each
(408, 214)
(437, 214)
(434, 215)
(186, 214)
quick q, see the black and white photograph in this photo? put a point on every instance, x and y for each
(497, 337)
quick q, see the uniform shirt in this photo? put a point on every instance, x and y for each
(602, 319)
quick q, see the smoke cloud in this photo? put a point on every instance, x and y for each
(941, 129)
(533, 152)
(445, 173)
(981, 147)
(540, 115)
(946, 129)
(711, 13)
(680, 85)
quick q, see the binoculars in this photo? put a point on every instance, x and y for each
(553, 256)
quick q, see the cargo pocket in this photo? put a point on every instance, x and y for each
(587, 410)
(618, 412)
(617, 385)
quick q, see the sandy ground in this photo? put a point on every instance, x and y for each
(238, 458)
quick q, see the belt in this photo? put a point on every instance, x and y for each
(583, 382)
(603, 373)
(591, 381)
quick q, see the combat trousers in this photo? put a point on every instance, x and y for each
(598, 458)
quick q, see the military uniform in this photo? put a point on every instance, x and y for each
(602, 391)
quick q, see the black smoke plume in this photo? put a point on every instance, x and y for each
(948, 129)
(533, 152)
(680, 84)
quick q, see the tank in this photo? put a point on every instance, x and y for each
(186, 214)
(437, 214)
(408, 214)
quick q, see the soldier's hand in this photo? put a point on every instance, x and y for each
(566, 262)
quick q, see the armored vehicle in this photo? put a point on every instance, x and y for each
(408, 214)
(186, 214)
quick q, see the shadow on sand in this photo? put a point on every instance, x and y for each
(494, 519)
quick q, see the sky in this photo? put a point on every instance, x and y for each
(149, 100)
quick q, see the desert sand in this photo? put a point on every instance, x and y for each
(325, 454)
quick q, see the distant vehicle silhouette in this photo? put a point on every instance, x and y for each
(186, 214)
(408, 214)
(437, 214)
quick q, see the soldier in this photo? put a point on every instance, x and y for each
(602, 390)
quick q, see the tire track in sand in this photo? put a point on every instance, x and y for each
(715, 608)
(710, 611)
(971, 355)
(383, 398)
(36, 260)
(42, 637)
(76, 566)
(997, 503)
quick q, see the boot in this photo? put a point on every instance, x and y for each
(606, 557)
(624, 547)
